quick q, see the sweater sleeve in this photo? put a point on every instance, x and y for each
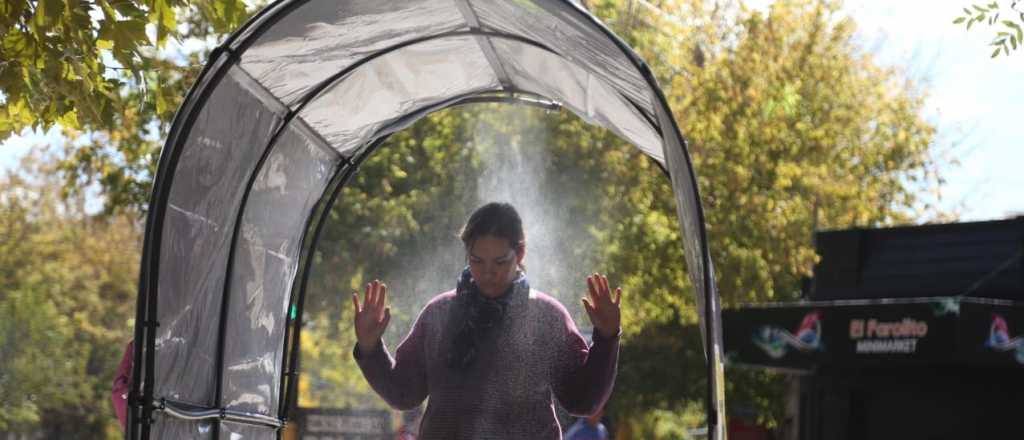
(401, 381)
(585, 375)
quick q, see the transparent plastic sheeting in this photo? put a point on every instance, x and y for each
(397, 84)
(556, 24)
(701, 274)
(166, 427)
(375, 66)
(225, 143)
(266, 261)
(320, 38)
(542, 72)
(237, 431)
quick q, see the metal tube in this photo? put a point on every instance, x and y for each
(182, 411)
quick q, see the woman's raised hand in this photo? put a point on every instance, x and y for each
(602, 307)
(372, 318)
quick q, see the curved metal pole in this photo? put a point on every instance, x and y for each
(146, 311)
(164, 180)
(184, 120)
(712, 324)
(139, 412)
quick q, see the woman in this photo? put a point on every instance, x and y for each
(491, 353)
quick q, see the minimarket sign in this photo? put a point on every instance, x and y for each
(805, 335)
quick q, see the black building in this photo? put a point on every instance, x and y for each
(905, 333)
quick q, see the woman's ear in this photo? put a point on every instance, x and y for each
(520, 255)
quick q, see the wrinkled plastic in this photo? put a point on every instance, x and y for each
(539, 71)
(228, 137)
(266, 261)
(321, 38)
(166, 427)
(281, 58)
(561, 27)
(354, 108)
(701, 271)
(237, 431)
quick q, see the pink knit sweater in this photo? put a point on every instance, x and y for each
(534, 354)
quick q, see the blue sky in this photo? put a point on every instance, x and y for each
(973, 100)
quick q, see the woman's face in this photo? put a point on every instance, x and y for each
(493, 263)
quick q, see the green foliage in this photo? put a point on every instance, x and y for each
(792, 128)
(71, 62)
(91, 67)
(67, 285)
(1005, 40)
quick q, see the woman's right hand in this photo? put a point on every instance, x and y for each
(372, 316)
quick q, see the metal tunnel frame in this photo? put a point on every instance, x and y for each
(142, 402)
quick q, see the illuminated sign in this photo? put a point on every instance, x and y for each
(874, 336)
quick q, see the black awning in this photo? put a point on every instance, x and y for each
(806, 335)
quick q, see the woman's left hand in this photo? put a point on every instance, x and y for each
(602, 307)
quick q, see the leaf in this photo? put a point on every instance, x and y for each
(162, 15)
(161, 103)
(128, 9)
(69, 119)
(108, 11)
(227, 15)
(979, 9)
(18, 44)
(959, 20)
(126, 35)
(47, 13)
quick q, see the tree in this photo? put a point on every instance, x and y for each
(67, 281)
(792, 128)
(71, 62)
(1012, 34)
(92, 68)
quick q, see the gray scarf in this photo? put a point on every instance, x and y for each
(479, 316)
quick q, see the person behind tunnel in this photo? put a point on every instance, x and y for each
(492, 353)
(588, 428)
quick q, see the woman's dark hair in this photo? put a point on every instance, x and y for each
(479, 315)
(496, 219)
